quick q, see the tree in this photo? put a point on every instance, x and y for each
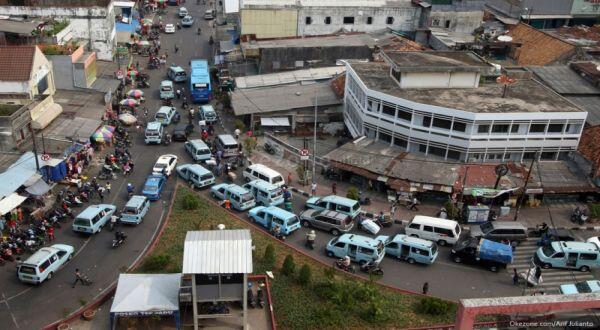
(190, 202)
(289, 266)
(249, 145)
(239, 124)
(305, 275)
(353, 193)
(269, 256)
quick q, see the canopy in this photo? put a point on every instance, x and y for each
(495, 251)
(103, 134)
(10, 202)
(135, 93)
(275, 121)
(146, 294)
(129, 102)
(39, 188)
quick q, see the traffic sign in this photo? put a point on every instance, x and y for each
(303, 154)
(45, 157)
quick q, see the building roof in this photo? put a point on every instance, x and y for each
(325, 3)
(589, 70)
(342, 40)
(525, 96)
(580, 35)
(564, 80)
(589, 103)
(288, 77)
(269, 99)
(560, 177)
(18, 27)
(538, 47)
(217, 252)
(588, 146)
(434, 61)
(16, 62)
(55, 3)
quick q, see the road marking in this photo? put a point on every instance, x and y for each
(11, 313)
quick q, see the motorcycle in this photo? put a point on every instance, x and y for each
(332, 174)
(260, 300)
(339, 264)
(579, 216)
(251, 299)
(167, 139)
(143, 84)
(269, 148)
(218, 308)
(364, 200)
(119, 239)
(371, 267)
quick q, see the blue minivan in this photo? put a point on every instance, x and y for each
(360, 249)
(334, 203)
(134, 211)
(571, 255)
(412, 249)
(240, 198)
(265, 193)
(269, 216)
(93, 218)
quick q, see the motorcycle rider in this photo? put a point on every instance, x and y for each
(346, 263)
(310, 239)
(119, 236)
(130, 189)
(113, 221)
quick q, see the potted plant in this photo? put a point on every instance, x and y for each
(89, 314)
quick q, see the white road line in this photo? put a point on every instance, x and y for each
(14, 319)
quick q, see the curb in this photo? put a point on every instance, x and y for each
(109, 291)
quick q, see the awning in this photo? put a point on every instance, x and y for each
(44, 119)
(275, 121)
(10, 202)
(39, 188)
(126, 4)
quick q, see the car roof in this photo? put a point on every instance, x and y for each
(277, 211)
(207, 107)
(165, 157)
(195, 168)
(92, 210)
(40, 255)
(154, 125)
(332, 214)
(136, 200)
(176, 68)
(198, 144)
(165, 108)
(580, 246)
(166, 82)
(234, 188)
(507, 225)
(437, 221)
(412, 240)
(359, 239)
(227, 139)
(261, 184)
(339, 199)
(153, 180)
(265, 169)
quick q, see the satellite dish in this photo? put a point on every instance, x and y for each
(505, 38)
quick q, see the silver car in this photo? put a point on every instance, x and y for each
(327, 220)
(498, 231)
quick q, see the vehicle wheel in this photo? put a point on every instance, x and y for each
(494, 269)
(362, 263)
(213, 195)
(411, 260)
(546, 266)
(335, 232)
(584, 268)
(306, 224)
(49, 276)
(70, 257)
(457, 259)
(442, 242)
(99, 230)
(330, 255)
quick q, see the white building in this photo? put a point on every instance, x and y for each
(439, 103)
(92, 21)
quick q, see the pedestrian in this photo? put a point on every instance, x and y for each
(313, 188)
(137, 65)
(78, 277)
(426, 288)
(108, 187)
(176, 49)
(132, 165)
(145, 112)
(393, 210)
(178, 93)
(237, 133)
(227, 204)
(289, 181)
(515, 277)
(158, 44)
(50, 232)
(334, 188)
(211, 129)
(101, 194)
(413, 205)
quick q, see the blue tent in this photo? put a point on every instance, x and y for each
(495, 251)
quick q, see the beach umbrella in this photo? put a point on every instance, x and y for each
(135, 93)
(103, 134)
(127, 118)
(129, 102)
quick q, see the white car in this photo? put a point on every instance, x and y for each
(170, 28)
(165, 165)
(595, 240)
(44, 263)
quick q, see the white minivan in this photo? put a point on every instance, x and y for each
(44, 263)
(262, 172)
(442, 231)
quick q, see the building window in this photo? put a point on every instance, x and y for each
(369, 20)
(459, 127)
(390, 111)
(500, 128)
(447, 24)
(435, 22)
(528, 155)
(328, 20)
(427, 121)
(453, 154)
(389, 20)
(42, 85)
(404, 115)
(308, 20)
(385, 137)
(537, 128)
(442, 123)
(397, 75)
(483, 129)
(548, 155)
(437, 151)
(422, 148)
(349, 20)
(514, 128)
(555, 128)
(400, 143)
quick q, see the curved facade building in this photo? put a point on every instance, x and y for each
(448, 104)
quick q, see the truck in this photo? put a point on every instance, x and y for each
(482, 252)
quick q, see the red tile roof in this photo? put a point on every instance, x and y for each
(538, 47)
(589, 147)
(16, 62)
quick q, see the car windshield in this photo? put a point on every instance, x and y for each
(203, 152)
(27, 270)
(247, 197)
(166, 88)
(160, 165)
(548, 250)
(161, 115)
(130, 210)
(380, 248)
(355, 207)
(206, 177)
(81, 222)
(151, 133)
(433, 249)
(293, 221)
(151, 188)
(583, 287)
(277, 179)
(486, 227)
(462, 244)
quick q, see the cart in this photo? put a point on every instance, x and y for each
(370, 226)
(231, 176)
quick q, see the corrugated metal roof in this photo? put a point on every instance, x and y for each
(564, 80)
(591, 104)
(288, 77)
(217, 252)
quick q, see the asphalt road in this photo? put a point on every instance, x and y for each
(25, 306)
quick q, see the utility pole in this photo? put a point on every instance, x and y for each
(315, 141)
(305, 163)
(35, 154)
(520, 198)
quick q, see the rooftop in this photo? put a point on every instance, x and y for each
(435, 60)
(325, 3)
(539, 47)
(525, 96)
(564, 80)
(7, 110)
(343, 40)
(55, 3)
(18, 27)
(288, 77)
(217, 252)
(16, 62)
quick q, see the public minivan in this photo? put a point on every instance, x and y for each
(198, 150)
(412, 249)
(167, 91)
(240, 198)
(360, 249)
(154, 133)
(183, 12)
(327, 220)
(499, 231)
(134, 211)
(269, 216)
(335, 203)
(265, 193)
(570, 255)
(196, 175)
(442, 231)
(43, 263)
(208, 114)
(227, 145)
(264, 173)
(93, 218)
(165, 114)
(177, 74)
(209, 14)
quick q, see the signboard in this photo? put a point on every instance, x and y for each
(303, 154)
(45, 157)
(120, 74)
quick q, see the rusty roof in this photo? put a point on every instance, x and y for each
(16, 62)
(538, 47)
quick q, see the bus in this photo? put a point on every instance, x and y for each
(200, 87)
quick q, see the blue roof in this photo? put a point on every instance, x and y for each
(360, 239)
(339, 199)
(279, 212)
(198, 144)
(135, 200)
(495, 251)
(15, 176)
(412, 240)
(154, 180)
(195, 168)
(92, 210)
(199, 72)
(234, 188)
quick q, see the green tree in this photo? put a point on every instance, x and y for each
(156, 263)
(190, 202)
(289, 266)
(239, 124)
(352, 193)
(305, 275)
(249, 145)
(269, 256)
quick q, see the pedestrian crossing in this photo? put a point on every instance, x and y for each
(551, 278)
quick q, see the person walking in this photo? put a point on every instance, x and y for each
(108, 187)
(101, 194)
(313, 188)
(393, 210)
(176, 49)
(426, 288)
(227, 204)
(413, 205)
(289, 178)
(334, 188)
(515, 277)
(237, 133)
(78, 277)
(50, 233)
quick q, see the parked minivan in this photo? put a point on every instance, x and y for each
(327, 220)
(183, 12)
(334, 203)
(209, 14)
(134, 211)
(412, 249)
(360, 249)
(196, 175)
(208, 114)
(167, 90)
(198, 150)
(265, 193)
(240, 198)
(93, 218)
(269, 216)
(570, 255)
(498, 231)
(165, 114)
(262, 172)
(177, 74)
(154, 133)
(442, 231)
(44, 263)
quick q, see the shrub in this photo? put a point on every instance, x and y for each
(595, 211)
(452, 211)
(190, 202)
(269, 256)
(352, 193)
(432, 306)
(289, 266)
(156, 263)
(300, 171)
(305, 275)
(239, 124)
(249, 145)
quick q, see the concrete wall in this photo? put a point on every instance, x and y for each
(94, 24)
(41, 67)
(439, 80)
(405, 18)
(585, 8)
(463, 22)
(269, 23)
(276, 59)
(14, 129)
